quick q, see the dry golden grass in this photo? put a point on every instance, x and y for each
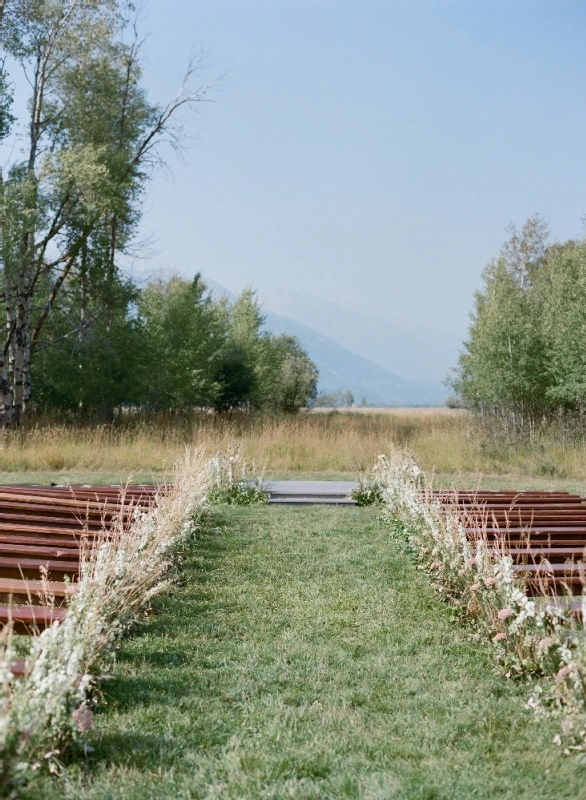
(401, 411)
(336, 442)
(320, 444)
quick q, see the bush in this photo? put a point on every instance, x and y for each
(235, 482)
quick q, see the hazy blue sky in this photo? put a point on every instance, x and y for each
(370, 153)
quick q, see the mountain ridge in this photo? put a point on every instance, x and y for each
(340, 369)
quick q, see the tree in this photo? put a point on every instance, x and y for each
(92, 140)
(560, 290)
(294, 384)
(524, 250)
(101, 365)
(185, 337)
(348, 399)
(245, 336)
(503, 361)
(234, 377)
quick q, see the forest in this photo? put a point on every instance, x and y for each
(168, 345)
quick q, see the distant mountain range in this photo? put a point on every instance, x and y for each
(399, 346)
(340, 369)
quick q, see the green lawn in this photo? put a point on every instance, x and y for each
(305, 657)
(471, 480)
(80, 476)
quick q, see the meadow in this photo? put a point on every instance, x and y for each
(320, 444)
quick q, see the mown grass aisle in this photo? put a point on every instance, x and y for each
(306, 657)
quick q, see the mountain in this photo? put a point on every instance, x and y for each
(340, 369)
(413, 351)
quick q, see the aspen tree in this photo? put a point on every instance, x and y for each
(70, 199)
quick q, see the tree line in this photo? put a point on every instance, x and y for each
(171, 345)
(526, 348)
(77, 153)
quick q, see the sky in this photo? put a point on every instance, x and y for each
(369, 154)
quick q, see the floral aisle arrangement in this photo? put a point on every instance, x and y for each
(120, 572)
(537, 639)
(235, 481)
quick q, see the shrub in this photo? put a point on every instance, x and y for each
(234, 481)
(369, 491)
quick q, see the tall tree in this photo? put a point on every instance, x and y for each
(70, 207)
(295, 383)
(503, 363)
(560, 289)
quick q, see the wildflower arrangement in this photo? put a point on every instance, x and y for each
(235, 481)
(369, 491)
(120, 572)
(538, 639)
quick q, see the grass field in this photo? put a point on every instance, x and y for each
(306, 657)
(318, 444)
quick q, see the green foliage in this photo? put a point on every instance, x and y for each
(504, 360)
(337, 400)
(166, 346)
(70, 204)
(369, 492)
(453, 401)
(240, 493)
(234, 377)
(183, 338)
(213, 354)
(6, 100)
(290, 375)
(282, 377)
(234, 481)
(561, 293)
(81, 336)
(526, 349)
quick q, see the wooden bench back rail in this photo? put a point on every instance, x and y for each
(41, 532)
(543, 532)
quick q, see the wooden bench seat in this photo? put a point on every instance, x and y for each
(30, 619)
(39, 551)
(47, 541)
(32, 592)
(17, 567)
(551, 554)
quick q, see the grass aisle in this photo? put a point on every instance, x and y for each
(306, 657)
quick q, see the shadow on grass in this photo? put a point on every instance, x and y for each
(164, 670)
